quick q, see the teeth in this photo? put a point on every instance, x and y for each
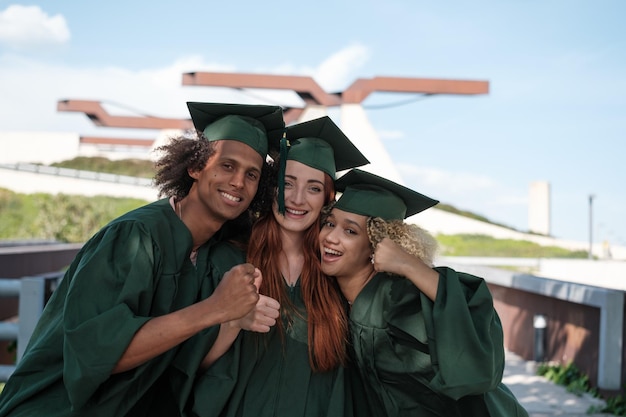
(332, 252)
(297, 212)
(231, 197)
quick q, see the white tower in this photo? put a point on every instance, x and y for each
(539, 208)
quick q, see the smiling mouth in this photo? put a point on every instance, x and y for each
(296, 212)
(230, 197)
(328, 251)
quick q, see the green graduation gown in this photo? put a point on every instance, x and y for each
(262, 375)
(419, 358)
(135, 268)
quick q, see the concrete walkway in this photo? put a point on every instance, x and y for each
(542, 398)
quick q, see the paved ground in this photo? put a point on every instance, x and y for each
(540, 397)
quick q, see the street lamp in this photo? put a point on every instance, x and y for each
(591, 197)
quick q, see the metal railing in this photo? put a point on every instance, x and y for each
(33, 293)
(77, 173)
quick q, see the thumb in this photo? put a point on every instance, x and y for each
(258, 278)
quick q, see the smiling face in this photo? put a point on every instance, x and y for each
(344, 245)
(230, 179)
(305, 195)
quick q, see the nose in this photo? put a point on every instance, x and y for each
(297, 195)
(327, 234)
(237, 179)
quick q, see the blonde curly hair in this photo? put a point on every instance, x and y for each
(412, 238)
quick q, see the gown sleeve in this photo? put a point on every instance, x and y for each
(108, 300)
(465, 336)
(204, 392)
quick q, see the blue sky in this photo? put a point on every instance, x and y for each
(556, 110)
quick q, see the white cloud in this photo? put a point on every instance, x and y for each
(450, 182)
(334, 74)
(36, 87)
(26, 27)
(469, 191)
(338, 70)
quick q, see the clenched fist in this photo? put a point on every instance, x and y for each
(390, 257)
(262, 317)
(237, 293)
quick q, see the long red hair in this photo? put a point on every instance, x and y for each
(327, 321)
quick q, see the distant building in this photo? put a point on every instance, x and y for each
(539, 208)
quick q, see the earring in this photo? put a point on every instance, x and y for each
(372, 259)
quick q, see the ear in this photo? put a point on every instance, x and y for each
(193, 173)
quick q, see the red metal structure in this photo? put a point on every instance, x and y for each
(305, 87)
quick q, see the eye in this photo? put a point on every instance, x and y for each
(351, 232)
(328, 224)
(227, 166)
(253, 175)
(315, 189)
(288, 184)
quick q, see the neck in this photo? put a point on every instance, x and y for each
(351, 285)
(292, 256)
(202, 227)
(291, 241)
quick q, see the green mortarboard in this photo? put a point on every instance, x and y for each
(320, 144)
(370, 195)
(258, 126)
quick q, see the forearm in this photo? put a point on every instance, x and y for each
(162, 333)
(423, 277)
(391, 257)
(225, 338)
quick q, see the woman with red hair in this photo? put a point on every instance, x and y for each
(295, 367)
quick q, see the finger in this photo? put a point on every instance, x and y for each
(269, 302)
(261, 329)
(268, 312)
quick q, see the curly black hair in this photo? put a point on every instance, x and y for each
(180, 154)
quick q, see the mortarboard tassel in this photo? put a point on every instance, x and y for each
(282, 164)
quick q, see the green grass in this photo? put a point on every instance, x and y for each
(481, 245)
(576, 382)
(60, 217)
(131, 167)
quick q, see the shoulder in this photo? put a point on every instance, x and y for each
(157, 218)
(154, 222)
(225, 255)
(388, 289)
(151, 214)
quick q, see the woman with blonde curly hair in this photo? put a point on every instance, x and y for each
(426, 340)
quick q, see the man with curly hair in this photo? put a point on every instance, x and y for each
(131, 296)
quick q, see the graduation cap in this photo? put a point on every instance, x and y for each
(258, 126)
(368, 194)
(319, 144)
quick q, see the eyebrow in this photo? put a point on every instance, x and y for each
(293, 177)
(353, 223)
(241, 163)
